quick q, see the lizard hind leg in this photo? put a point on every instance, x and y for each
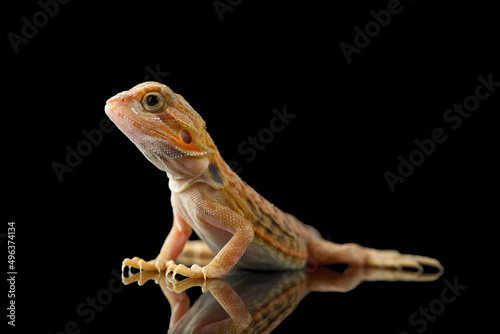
(196, 252)
(324, 252)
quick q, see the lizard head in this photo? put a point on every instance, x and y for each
(167, 130)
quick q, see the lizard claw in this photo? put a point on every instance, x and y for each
(197, 268)
(171, 269)
(194, 272)
(398, 261)
(162, 265)
(153, 265)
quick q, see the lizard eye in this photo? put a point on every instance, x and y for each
(185, 136)
(153, 102)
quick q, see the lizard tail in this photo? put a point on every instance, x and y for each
(324, 252)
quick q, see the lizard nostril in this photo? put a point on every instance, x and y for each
(122, 97)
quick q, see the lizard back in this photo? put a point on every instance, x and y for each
(280, 233)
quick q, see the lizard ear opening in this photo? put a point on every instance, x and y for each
(186, 136)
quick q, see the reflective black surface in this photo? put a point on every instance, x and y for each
(258, 302)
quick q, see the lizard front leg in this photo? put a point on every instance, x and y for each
(172, 247)
(222, 218)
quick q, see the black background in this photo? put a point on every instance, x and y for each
(326, 167)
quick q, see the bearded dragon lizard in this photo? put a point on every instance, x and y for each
(239, 226)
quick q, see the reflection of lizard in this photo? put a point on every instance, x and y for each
(256, 302)
(238, 225)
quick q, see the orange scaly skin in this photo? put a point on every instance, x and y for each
(237, 224)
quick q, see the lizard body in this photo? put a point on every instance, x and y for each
(238, 225)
